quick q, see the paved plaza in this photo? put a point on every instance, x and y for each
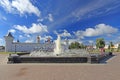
(56, 71)
(3, 58)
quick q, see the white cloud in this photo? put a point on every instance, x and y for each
(40, 20)
(65, 34)
(2, 41)
(35, 28)
(79, 34)
(75, 40)
(55, 32)
(27, 35)
(4, 18)
(49, 37)
(6, 5)
(100, 29)
(91, 41)
(50, 17)
(19, 6)
(29, 41)
(44, 38)
(20, 36)
(93, 7)
(12, 30)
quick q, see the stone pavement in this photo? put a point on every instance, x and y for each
(3, 58)
(115, 60)
(49, 71)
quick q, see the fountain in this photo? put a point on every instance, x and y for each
(58, 51)
(58, 48)
(59, 54)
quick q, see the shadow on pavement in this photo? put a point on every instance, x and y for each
(104, 61)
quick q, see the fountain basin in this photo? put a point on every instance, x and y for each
(96, 58)
(48, 59)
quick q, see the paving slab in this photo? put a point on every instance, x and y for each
(70, 71)
(3, 58)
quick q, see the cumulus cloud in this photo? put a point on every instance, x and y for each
(12, 30)
(2, 41)
(65, 34)
(79, 34)
(19, 6)
(35, 28)
(40, 20)
(75, 40)
(29, 41)
(100, 29)
(6, 5)
(91, 41)
(44, 38)
(47, 36)
(20, 36)
(50, 17)
(55, 32)
(27, 35)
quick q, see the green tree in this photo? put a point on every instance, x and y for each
(111, 46)
(74, 45)
(82, 46)
(100, 43)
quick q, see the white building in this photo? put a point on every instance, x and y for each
(11, 46)
(116, 45)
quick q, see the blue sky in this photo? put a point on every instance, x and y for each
(76, 20)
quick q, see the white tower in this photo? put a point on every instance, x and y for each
(8, 42)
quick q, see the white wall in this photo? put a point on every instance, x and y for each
(28, 47)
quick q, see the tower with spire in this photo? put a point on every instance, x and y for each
(8, 42)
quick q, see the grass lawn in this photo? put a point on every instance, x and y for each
(6, 52)
(10, 52)
(90, 51)
(106, 50)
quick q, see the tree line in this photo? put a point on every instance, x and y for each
(100, 43)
